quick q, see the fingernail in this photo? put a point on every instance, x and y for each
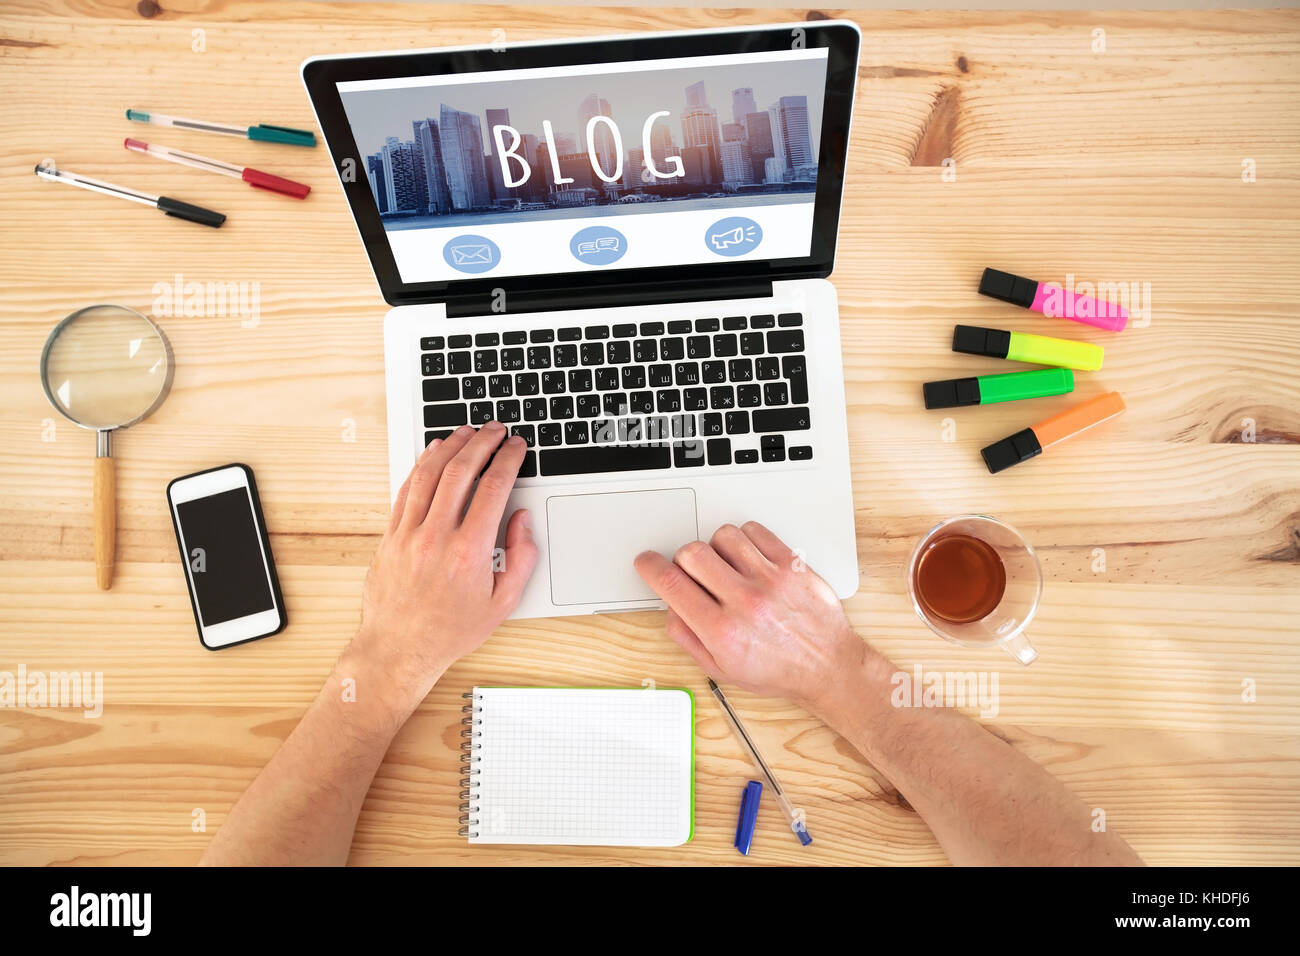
(431, 446)
(515, 440)
(495, 426)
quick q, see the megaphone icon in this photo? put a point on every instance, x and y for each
(732, 237)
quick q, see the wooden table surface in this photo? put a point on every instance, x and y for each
(1168, 689)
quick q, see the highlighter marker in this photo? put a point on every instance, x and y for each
(1029, 294)
(1024, 445)
(1024, 347)
(987, 389)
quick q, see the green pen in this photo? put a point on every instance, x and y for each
(987, 389)
(263, 132)
(1024, 347)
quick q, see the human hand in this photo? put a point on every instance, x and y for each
(750, 613)
(432, 594)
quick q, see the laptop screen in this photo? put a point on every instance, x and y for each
(572, 169)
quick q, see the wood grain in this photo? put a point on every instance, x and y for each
(1122, 166)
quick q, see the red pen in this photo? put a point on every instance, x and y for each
(254, 177)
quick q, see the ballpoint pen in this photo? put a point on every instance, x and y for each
(261, 131)
(172, 207)
(796, 824)
(254, 177)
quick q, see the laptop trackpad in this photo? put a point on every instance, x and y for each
(593, 539)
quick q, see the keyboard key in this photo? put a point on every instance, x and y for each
(751, 343)
(561, 408)
(679, 327)
(641, 403)
(508, 412)
(762, 321)
(799, 452)
(660, 376)
(575, 433)
(722, 396)
(553, 383)
(766, 368)
(788, 319)
(725, 345)
(652, 328)
(552, 433)
(686, 373)
(539, 356)
(475, 386)
(706, 325)
(670, 350)
(600, 459)
(688, 454)
(434, 363)
(483, 339)
(737, 423)
(682, 426)
(485, 361)
(441, 389)
(596, 331)
(618, 353)
(773, 447)
(698, 347)
(633, 377)
(719, 451)
(774, 393)
(606, 378)
(527, 383)
(615, 403)
(792, 419)
(669, 400)
(430, 342)
(740, 370)
(458, 363)
(526, 432)
(629, 429)
(711, 424)
(566, 356)
(733, 323)
(512, 360)
(499, 386)
(528, 467)
(444, 415)
(514, 338)
(791, 341)
(570, 334)
(592, 353)
(795, 369)
(588, 406)
(625, 331)
(656, 428)
(695, 399)
(714, 373)
(480, 413)
(459, 341)
(439, 433)
(748, 396)
(580, 380)
(534, 409)
(604, 431)
(746, 456)
(541, 335)
(645, 350)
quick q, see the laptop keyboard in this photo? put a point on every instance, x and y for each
(628, 397)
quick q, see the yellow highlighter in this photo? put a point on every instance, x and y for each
(1023, 347)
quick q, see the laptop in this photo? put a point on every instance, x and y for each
(618, 248)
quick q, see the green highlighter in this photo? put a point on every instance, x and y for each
(987, 389)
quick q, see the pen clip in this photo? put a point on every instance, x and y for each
(192, 213)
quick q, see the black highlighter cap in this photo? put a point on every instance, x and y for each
(1009, 288)
(953, 393)
(1021, 446)
(973, 340)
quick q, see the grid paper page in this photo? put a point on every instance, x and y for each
(604, 767)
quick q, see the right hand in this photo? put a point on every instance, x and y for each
(751, 614)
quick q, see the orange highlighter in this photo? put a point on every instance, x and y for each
(1024, 445)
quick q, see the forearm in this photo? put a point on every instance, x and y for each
(987, 803)
(302, 808)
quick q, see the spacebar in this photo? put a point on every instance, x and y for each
(600, 458)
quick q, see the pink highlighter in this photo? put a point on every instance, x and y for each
(1053, 301)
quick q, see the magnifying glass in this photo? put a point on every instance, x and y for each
(105, 367)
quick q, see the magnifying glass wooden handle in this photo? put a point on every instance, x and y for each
(105, 499)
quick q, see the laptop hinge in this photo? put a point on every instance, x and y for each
(630, 294)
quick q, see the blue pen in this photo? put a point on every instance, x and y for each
(796, 824)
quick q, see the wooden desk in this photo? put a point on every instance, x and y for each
(1123, 165)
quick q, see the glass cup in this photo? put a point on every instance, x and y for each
(1005, 625)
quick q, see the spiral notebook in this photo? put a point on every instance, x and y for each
(578, 766)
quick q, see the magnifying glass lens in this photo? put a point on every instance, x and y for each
(106, 367)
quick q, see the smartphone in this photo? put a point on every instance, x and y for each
(226, 555)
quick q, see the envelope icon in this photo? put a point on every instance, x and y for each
(471, 254)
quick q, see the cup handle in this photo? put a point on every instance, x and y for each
(1020, 648)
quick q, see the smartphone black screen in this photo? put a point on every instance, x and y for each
(224, 553)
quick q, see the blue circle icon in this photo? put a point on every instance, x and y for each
(598, 245)
(733, 236)
(471, 254)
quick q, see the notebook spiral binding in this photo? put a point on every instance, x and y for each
(468, 759)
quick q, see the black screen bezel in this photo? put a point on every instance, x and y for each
(840, 39)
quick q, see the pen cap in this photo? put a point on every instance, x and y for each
(973, 340)
(748, 816)
(1012, 450)
(276, 184)
(184, 210)
(282, 134)
(952, 393)
(1009, 288)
